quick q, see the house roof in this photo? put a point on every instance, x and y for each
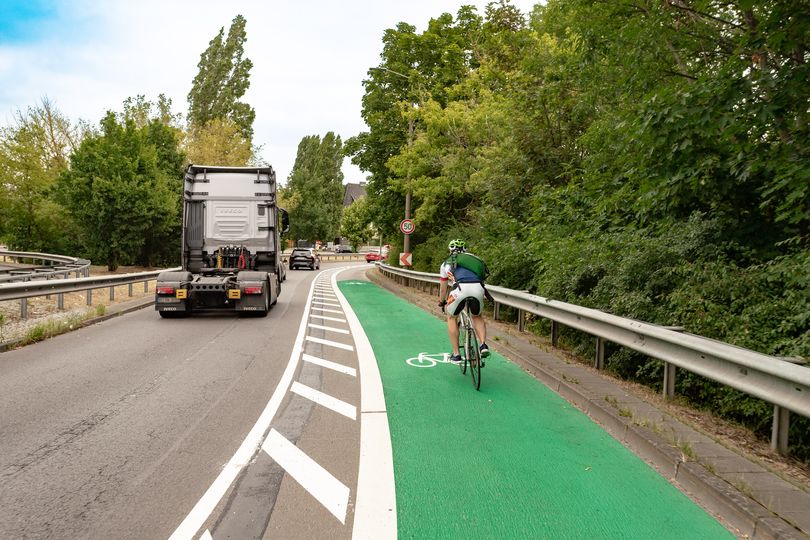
(353, 192)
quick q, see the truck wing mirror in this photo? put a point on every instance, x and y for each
(285, 220)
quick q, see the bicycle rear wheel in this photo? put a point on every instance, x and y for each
(463, 330)
(473, 356)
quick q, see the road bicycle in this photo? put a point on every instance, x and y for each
(468, 343)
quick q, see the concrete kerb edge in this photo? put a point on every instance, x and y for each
(743, 515)
(115, 311)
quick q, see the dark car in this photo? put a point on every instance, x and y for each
(343, 248)
(371, 257)
(304, 258)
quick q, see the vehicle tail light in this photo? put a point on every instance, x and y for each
(165, 290)
(253, 290)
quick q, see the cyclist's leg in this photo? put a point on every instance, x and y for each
(476, 308)
(452, 331)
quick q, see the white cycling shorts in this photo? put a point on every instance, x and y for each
(461, 293)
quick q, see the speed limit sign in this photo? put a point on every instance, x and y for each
(406, 226)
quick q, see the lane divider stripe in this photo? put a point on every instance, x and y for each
(329, 328)
(330, 343)
(324, 317)
(328, 310)
(341, 407)
(325, 304)
(319, 482)
(330, 365)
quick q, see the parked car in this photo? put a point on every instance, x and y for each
(304, 258)
(343, 248)
(371, 257)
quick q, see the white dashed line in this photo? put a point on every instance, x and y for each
(325, 304)
(206, 535)
(330, 365)
(330, 343)
(336, 319)
(327, 310)
(329, 328)
(341, 407)
(319, 482)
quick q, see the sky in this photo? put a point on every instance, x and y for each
(309, 58)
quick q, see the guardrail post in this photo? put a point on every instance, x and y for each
(146, 286)
(521, 321)
(23, 308)
(599, 363)
(669, 380)
(779, 430)
(130, 290)
(555, 333)
(496, 311)
(89, 297)
(112, 294)
(60, 301)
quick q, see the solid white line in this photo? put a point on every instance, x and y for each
(328, 310)
(330, 365)
(330, 402)
(319, 482)
(206, 505)
(375, 508)
(324, 317)
(330, 343)
(206, 535)
(330, 328)
(321, 303)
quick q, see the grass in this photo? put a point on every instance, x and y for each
(572, 380)
(52, 328)
(686, 450)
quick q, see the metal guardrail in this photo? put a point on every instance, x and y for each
(57, 265)
(330, 257)
(30, 289)
(778, 381)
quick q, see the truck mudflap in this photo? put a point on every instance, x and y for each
(257, 292)
(171, 294)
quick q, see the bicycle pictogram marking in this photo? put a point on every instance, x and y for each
(428, 360)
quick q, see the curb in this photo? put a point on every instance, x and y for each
(742, 515)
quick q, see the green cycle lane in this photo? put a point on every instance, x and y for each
(513, 460)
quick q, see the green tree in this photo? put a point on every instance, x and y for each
(120, 193)
(33, 152)
(315, 188)
(218, 142)
(356, 223)
(222, 79)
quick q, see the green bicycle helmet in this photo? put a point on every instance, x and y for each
(457, 245)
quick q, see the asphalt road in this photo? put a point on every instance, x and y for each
(118, 429)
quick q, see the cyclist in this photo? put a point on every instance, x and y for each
(466, 274)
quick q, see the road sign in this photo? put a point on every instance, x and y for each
(405, 259)
(406, 226)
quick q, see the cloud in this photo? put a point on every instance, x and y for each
(309, 59)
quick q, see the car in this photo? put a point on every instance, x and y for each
(304, 258)
(343, 248)
(371, 257)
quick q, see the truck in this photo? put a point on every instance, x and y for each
(230, 248)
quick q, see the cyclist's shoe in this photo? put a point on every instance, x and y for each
(455, 359)
(484, 350)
